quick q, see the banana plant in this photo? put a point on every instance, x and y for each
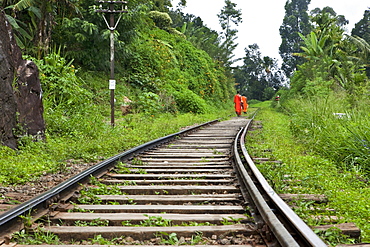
(42, 15)
(313, 48)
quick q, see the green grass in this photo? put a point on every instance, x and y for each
(343, 138)
(35, 159)
(347, 190)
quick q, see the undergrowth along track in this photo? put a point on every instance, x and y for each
(179, 190)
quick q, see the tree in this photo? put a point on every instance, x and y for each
(162, 5)
(320, 16)
(85, 38)
(227, 16)
(362, 30)
(296, 20)
(181, 4)
(199, 35)
(203, 38)
(258, 77)
(42, 18)
(333, 60)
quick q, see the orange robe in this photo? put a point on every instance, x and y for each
(245, 104)
(238, 104)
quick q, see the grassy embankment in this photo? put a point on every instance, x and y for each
(347, 190)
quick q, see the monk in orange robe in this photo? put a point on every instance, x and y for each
(245, 104)
(238, 104)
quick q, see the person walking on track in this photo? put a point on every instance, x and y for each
(238, 104)
(245, 104)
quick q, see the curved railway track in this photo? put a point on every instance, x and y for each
(198, 186)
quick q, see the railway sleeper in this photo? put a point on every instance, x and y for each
(349, 229)
(186, 209)
(5, 207)
(178, 189)
(182, 164)
(183, 160)
(212, 133)
(183, 155)
(171, 199)
(304, 197)
(117, 219)
(267, 160)
(205, 136)
(193, 171)
(198, 146)
(326, 218)
(205, 141)
(172, 181)
(170, 176)
(68, 233)
(190, 150)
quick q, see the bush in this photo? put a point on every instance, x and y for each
(69, 109)
(188, 101)
(60, 84)
(161, 20)
(148, 102)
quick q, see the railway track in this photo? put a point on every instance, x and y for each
(189, 188)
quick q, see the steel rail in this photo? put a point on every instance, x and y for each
(45, 199)
(280, 232)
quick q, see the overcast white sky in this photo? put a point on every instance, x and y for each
(262, 19)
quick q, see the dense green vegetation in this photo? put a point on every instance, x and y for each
(304, 168)
(178, 72)
(168, 78)
(328, 97)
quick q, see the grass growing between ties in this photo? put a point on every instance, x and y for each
(35, 238)
(94, 222)
(89, 194)
(305, 170)
(126, 169)
(172, 239)
(153, 221)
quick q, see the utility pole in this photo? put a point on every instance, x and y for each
(112, 7)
